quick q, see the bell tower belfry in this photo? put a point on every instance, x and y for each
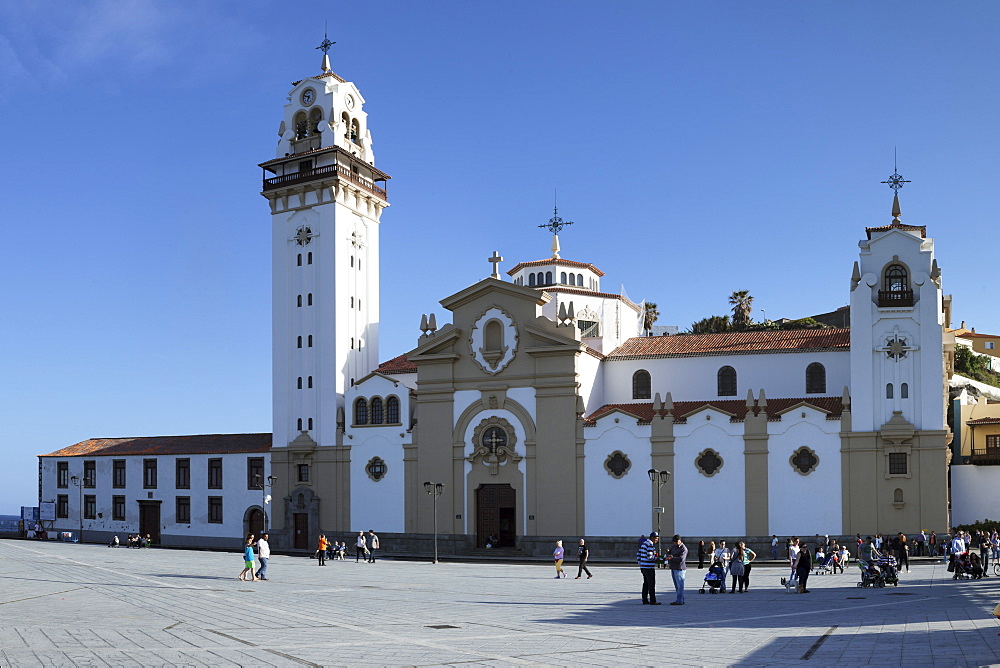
(326, 199)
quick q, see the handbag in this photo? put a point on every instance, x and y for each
(736, 568)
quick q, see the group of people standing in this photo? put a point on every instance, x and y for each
(675, 558)
(963, 559)
(735, 562)
(365, 547)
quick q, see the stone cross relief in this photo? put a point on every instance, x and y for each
(895, 347)
(494, 439)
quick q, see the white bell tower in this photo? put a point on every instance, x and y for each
(326, 199)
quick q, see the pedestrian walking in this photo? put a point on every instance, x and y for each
(803, 565)
(248, 561)
(646, 557)
(263, 554)
(362, 547)
(774, 547)
(678, 567)
(557, 556)
(321, 544)
(373, 544)
(583, 552)
(903, 553)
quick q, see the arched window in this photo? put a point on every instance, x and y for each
(548, 278)
(641, 385)
(562, 278)
(310, 341)
(360, 411)
(299, 424)
(300, 259)
(531, 280)
(579, 280)
(888, 390)
(896, 279)
(300, 342)
(315, 118)
(299, 301)
(310, 423)
(309, 300)
(346, 120)
(352, 302)
(392, 410)
(355, 131)
(815, 378)
(301, 125)
(300, 382)
(377, 414)
(310, 383)
(309, 258)
(727, 382)
(904, 391)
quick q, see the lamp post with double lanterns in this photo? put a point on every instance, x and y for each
(658, 478)
(264, 496)
(79, 484)
(435, 489)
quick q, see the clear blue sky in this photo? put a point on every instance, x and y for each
(700, 148)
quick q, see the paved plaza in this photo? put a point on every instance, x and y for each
(87, 605)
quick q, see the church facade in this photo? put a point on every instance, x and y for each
(545, 412)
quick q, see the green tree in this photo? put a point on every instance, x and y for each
(974, 366)
(712, 325)
(650, 315)
(742, 304)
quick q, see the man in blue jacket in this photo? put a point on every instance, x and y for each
(646, 556)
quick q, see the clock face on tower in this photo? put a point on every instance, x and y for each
(308, 96)
(349, 101)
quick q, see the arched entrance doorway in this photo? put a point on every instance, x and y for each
(496, 514)
(253, 521)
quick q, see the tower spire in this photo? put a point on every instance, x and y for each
(555, 225)
(895, 181)
(325, 48)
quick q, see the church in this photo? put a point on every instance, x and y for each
(532, 407)
(545, 413)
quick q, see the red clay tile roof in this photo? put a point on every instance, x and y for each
(565, 263)
(898, 226)
(397, 365)
(975, 335)
(733, 343)
(198, 444)
(834, 406)
(985, 420)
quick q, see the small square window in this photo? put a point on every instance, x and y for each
(897, 463)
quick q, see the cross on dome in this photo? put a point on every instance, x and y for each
(324, 46)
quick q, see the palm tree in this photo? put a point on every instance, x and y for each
(711, 325)
(742, 304)
(650, 315)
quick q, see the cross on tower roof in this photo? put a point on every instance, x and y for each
(324, 46)
(556, 223)
(495, 260)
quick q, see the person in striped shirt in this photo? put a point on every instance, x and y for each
(646, 557)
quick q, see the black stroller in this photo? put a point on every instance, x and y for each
(715, 579)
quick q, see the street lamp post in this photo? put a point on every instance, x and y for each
(79, 484)
(658, 478)
(435, 489)
(264, 496)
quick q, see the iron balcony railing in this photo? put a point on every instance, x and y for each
(895, 297)
(325, 171)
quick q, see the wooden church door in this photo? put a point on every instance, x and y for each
(496, 514)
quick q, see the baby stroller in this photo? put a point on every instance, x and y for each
(870, 576)
(715, 579)
(889, 573)
(826, 567)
